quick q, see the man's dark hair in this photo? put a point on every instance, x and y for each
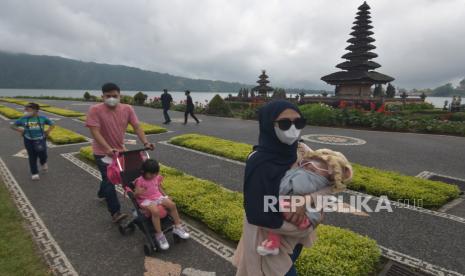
(109, 86)
(150, 166)
(188, 92)
(33, 106)
(165, 90)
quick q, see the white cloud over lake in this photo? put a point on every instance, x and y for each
(419, 42)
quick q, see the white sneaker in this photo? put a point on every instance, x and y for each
(45, 167)
(162, 241)
(181, 232)
(35, 177)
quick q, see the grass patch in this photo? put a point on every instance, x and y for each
(18, 255)
(213, 145)
(62, 111)
(336, 252)
(148, 128)
(10, 113)
(62, 136)
(372, 181)
(22, 102)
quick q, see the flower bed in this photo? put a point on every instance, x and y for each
(409, 120)
(336, 252)
(10, 113)
(373, 181)
(62, 136)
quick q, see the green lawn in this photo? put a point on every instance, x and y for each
(18, 254)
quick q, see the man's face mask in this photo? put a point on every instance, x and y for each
(111, 101)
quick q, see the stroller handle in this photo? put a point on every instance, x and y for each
(131, 151)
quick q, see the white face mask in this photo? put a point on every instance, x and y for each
(28, 113)
(289, 136)
(111, 101)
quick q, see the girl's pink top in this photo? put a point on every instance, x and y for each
(152, 188)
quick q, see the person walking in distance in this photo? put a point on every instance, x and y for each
(166, 100)
(189, 108)
(107, 122)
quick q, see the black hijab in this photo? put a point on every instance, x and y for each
(265, 168)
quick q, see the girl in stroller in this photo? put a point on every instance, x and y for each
(151, 198)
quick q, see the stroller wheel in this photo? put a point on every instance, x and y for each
(148, 250)
(126, 229)
(176, 238)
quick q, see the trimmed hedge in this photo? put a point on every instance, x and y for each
(372, 181)
(10, 113)
(148, 128)
(62, 111)
(217, 146)
(62, 136)
(336, 252)
(22, 102)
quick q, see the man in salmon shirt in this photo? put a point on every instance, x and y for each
(107, 122)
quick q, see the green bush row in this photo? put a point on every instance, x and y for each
(10, 113)
(148, 128)
(368, 180)
(430, 122)
(336, 252)
(21, 102)
(62, 136)
(62, 111)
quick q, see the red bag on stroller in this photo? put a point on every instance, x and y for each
(114, 170)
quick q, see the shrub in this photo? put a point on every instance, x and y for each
(140, 98)
(417, 106)
(319, 114)
(10, 112)
(213, 145)
(336, 250)
(148, 128)
(87, 96)
(458, 116)
(369, 180)
(250, 114)
(126, 99)
(217, 106)
(21, 102)
(62, 111)
(61, 136)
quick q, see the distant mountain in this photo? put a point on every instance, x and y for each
(51, 72)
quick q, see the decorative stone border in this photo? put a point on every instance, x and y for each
(330, 139)
(49, 248)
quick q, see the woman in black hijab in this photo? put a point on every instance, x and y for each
(275, 153)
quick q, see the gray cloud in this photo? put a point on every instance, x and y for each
(420, 42)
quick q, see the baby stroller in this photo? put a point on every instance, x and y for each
(129, 164)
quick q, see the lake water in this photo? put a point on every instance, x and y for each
(200, 97)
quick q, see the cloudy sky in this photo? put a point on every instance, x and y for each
(419, 42)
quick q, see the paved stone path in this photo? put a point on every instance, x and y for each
(430, 240)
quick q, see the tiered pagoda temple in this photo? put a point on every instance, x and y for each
(358, 75)
(263, 87)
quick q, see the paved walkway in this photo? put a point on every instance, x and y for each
(426, 239)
